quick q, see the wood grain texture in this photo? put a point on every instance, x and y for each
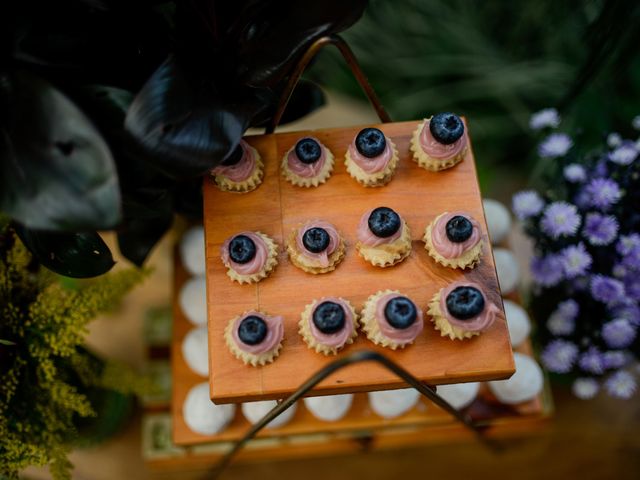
(277, 207)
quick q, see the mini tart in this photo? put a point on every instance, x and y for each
(259, 267)
(378, 329)
(465, 254)
(377, 178)
(432, 155)
(455, 328)
(244, 176)
(315, 263)
(328, 343)
(307, 175)
(260, 353)
(380, 251)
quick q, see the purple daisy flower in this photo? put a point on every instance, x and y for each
(559, 356)
(585, 388)
(592, 361)
(600, 229)
(632, 286)
(546, 271)
(602, 193)
(555, 145)
(559, 325)
(575, 260)
(618, 333)
(621, 385)
(632, 260)
(527, 204)
(606, 289)
(614, 359)
(619, 270)
(630, 312)
(624, 154)
(560, 219)
(635, 123)
(548, 117)
(613, 140)
(574, 173)
(568, 308)
(628, 243)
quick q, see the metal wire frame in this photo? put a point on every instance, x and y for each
(301, 66)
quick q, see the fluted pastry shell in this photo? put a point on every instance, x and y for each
(370, 325)
(387, 254)
(425, 161)
(303, 262)
(469, 259)
(305, 330)
(322, 176)
(377, 179)
(270, 264)
(442, 324)
(246, 357)
(247, 185)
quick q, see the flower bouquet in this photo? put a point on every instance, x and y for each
(585, 225)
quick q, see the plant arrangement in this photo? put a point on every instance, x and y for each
(585, 223)
(53, 388)
(111, 111)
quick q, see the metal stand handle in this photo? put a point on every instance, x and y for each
(301, 66)
(356, 357)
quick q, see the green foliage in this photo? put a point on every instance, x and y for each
(45, 372)
(496, 63)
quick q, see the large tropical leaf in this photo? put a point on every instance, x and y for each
(78, 255)
(56, 171)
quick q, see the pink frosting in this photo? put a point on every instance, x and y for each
(275, 332)
(480, 322)
(440, 151)
(241, 170)
(255, 264)
(337, 339)
(367, 237)
(306, 170)
(446, 247)
(398, 335)
(371, 165)
(334, 239)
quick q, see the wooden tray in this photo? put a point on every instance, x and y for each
(277, 207)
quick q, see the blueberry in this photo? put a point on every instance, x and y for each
(316, 239)
(242, 249)
(234, 158)
(328, 317)
(252, 330)
(465, 302)
(446, 127)
(370, 142)
(384, 222)
(308, 150)
(459, 229)
(400, 312)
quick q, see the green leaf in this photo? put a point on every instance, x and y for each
(78, 255)
(6, 342)
(56, 171)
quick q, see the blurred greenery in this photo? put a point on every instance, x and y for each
(496, 63)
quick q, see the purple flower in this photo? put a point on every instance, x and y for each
(635, 123)
(606, 289)
(574, 173)
(546, 271)
(555, 145)
(602, 193)
(527, 204)
(625, 154)
(629, 311)
(560, 219)
(628, 243)
(618, 333)
(559, 356)
(575, 260)
(632, 286)
(614, 359)
(592, 361)
(621, 385)
(632, 260)
(585, 388)
(559, 325)
(544, 118)
(600, 169)
(614, 139)
(568, 308)
(600, 229)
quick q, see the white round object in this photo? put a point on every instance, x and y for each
(524, 385)
(193, 300)
(459, 395)
(518, 322)
(329, 408)
(498, 220)
(195, 350)
(192, 250)
(393, 403)
(508, 270)
(254, 411)
(202, 415)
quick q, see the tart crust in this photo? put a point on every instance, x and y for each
(387, 254)
(370, 324)
(270, 264)
(309, 265)
(295, 179)
(425, 161)
(247, 185)
(442, 324)
(246, 357)
(305, 330)
(469, 259)
(377, 179)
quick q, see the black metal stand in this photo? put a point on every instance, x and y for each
(363, 355)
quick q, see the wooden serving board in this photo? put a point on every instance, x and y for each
(277, 207)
